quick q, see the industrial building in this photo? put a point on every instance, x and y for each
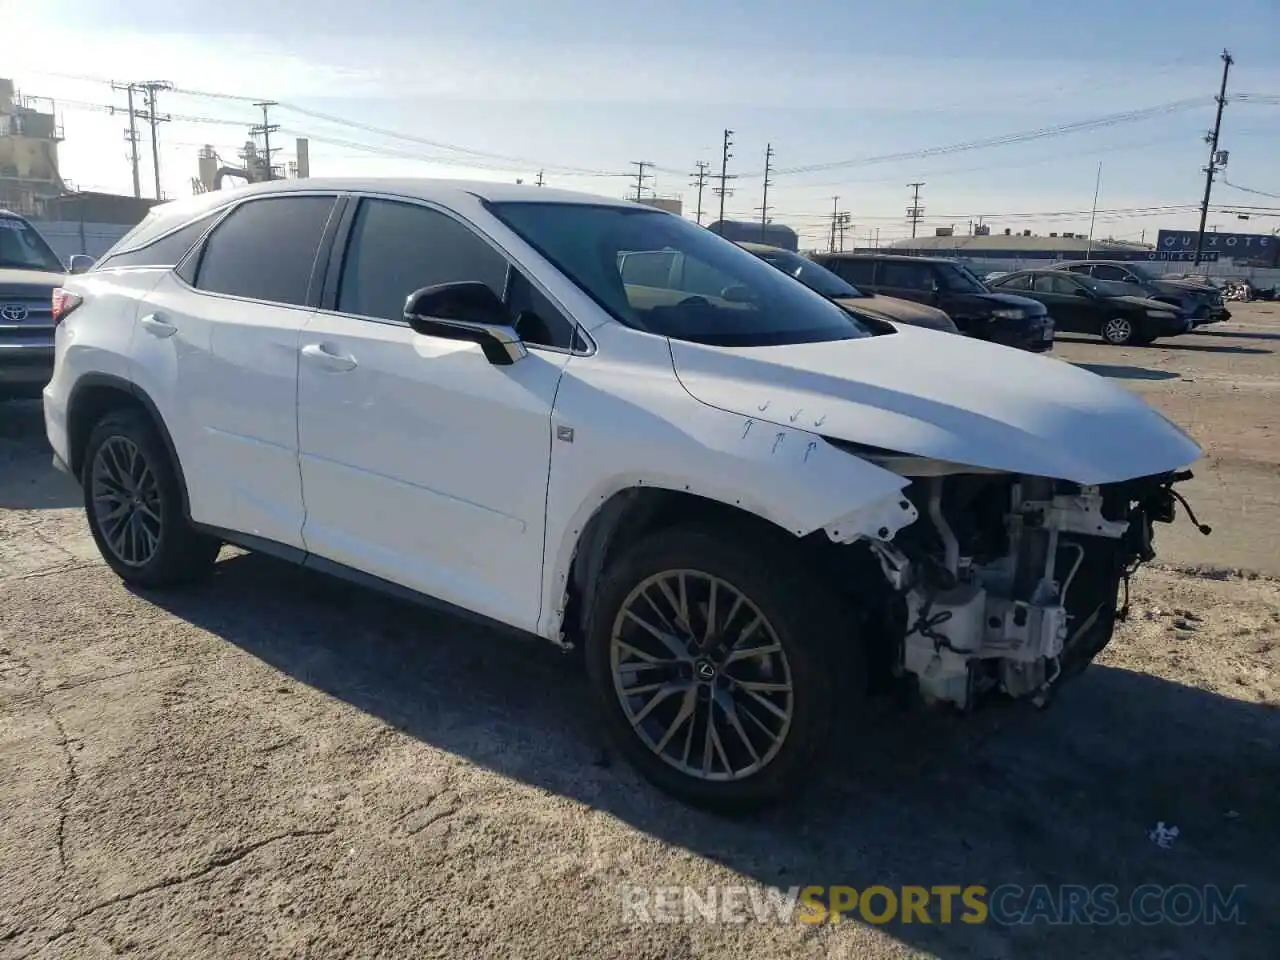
(29, 138)
(1022, 246)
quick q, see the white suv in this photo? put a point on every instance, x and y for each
(746, 506)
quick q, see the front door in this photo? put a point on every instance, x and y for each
(422, 463)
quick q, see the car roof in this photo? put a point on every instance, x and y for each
(761, 247)
(884, 256)
(423, 188)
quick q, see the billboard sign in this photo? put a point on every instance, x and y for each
(1240, 245)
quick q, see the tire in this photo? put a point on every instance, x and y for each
(155, 545)
(817, 653)
(1119, 331)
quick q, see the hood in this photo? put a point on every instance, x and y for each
(1201, 290)
(900, 311)
(10, 277)
(955, 399)
(1145, 303)
(1032, 307)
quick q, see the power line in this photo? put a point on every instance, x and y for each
(700, 181)
(723, 190)
(915, 212)
(1214, 160)
(1261, 193)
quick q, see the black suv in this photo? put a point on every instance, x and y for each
(945, 284)
(1200, 301)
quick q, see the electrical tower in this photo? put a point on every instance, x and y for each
(265, 130)
(835, 219)
(1216, 158)
(154, 118)
(723, 190)
(131, 134)
(842, 224)
(700, 181)
(764, 200)
(915, 212)
(641, 176)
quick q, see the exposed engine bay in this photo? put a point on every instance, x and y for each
(1007, 584)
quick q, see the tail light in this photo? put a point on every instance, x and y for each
(64, 301)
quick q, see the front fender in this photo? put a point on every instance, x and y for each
(644, 431)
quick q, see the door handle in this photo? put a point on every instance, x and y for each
(334, 361)
(158, 326)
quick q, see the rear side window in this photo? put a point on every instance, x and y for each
(905, 276)
(1105, 271)
(265, 249)
(857, 272)
(1022, 282)
(165, 251)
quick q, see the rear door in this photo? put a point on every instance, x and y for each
(217, 343)
(907, 280)
(1060, 298)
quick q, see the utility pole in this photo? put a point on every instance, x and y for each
(539, 180)
(640, 175)
(149, 90)
(723, 190)
(835, 218)
(131, 135)
(266, 129)
(915, 211)
(1093, 214)
(700, 180)
(764, 201)
(1212, 168)
(842, 222)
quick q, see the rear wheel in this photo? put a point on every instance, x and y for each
(1119, 331)
(713, 659)
(134, 505)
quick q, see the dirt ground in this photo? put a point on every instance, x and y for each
(279, 765)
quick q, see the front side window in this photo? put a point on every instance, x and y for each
(959, 279)
(22, 248)
(265, 249)
(715, 293)
(397, 248)
(1020, 281)
(1105, 271)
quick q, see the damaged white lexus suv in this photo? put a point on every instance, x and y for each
(747, 506)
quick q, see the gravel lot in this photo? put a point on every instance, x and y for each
(276, 764)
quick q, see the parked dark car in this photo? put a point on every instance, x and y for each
(29, 273)
(1117, 312)
(822, 280)
(999, 317)
(1202, 302)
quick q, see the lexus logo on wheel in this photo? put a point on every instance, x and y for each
(13, 312)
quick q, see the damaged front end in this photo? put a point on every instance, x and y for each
(1008, 584)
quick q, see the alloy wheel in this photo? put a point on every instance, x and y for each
(1118, 330)
(126, 501)
(701, 675)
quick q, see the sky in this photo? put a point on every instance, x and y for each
(856, 99)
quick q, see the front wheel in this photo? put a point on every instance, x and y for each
(1120, 331)
(714, 663)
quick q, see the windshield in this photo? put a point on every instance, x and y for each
(960, 279)
(810, 274)
(21, 248)
(662, 274)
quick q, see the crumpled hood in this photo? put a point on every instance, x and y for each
(900, 311)
(950, 398)
(1145, 303)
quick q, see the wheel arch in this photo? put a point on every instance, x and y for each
(97, 394)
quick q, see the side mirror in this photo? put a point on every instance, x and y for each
(79, 263)
(466, 310)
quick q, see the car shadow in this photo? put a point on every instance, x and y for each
(1003, 797)
(1118, 371)
(1180, 344)
(1235, 334)
(28, 480)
